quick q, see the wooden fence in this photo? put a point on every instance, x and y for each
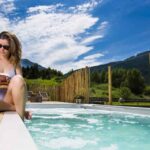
(75, 84)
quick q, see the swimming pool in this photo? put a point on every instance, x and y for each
(88, 129)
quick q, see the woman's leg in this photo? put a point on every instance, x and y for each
(16, 94)
(4, 106)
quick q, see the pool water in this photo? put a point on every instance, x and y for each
(87, 129)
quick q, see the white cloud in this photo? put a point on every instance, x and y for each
(7, 6)
(4, 23)
(47, 9)
(93, 56)
(91, 60)
(78, 64)
(91, 39)
(49, 37)
(101, 31)
(103, 25)
(86, 7)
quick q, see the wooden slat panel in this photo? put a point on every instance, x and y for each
(76, 83)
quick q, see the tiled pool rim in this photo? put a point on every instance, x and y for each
(15, 136)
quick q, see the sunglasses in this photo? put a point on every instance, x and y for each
(4, 46)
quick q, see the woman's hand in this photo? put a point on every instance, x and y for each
(28, 115)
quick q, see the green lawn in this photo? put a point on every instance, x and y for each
(101, 90)
(39, 82)
(141, 104)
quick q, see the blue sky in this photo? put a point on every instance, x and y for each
(72, 34)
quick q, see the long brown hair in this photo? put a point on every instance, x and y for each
(15, 50)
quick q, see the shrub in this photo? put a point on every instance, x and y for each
(147, 91)
(93, 90)
(135, 81)
(125, 92)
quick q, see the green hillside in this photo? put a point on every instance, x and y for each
(140, 62)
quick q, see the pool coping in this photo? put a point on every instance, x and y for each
(14, 134)
(1, 116)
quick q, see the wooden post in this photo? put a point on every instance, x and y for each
(109, 86)
(89, 83)
(149, 58)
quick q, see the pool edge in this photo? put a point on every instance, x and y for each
(14, 134)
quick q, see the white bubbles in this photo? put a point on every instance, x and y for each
(92, 121)
(66, 142)
(111, 147)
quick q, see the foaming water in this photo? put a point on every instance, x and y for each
(88, 129)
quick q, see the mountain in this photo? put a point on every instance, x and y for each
(141, 62)
(27, 63)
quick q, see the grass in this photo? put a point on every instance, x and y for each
(101, 90)
(139, 104)
(40, 82)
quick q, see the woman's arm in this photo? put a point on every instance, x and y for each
(18, 69)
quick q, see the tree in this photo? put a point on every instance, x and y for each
(34, 72)
(135, 81)
(95, 77)
(103, 76)
(118, 76)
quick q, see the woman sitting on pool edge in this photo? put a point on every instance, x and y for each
(13, 95)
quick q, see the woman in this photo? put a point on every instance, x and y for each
(12, 97)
